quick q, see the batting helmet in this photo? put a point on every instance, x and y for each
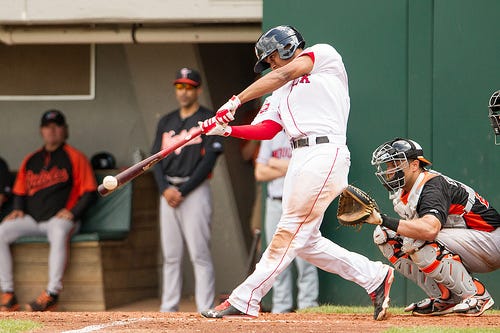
(391, 158)
(284, 38)
(103, 161)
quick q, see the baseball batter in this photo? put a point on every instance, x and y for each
(310, 100)
(271, 166)
(445, 230)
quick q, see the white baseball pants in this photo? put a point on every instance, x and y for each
(316, 175)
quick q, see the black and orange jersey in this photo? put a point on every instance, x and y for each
(442, 196)
(50, 181)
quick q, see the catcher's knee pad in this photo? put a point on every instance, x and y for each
(444, 268)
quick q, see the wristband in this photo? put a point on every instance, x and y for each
(390, 222)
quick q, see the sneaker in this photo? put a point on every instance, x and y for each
(474, 306)
(380, 297)
(9, 302)
(44, 302)
(431, 307)
(225, 309)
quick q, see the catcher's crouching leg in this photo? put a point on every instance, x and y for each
(445, 268)
(390, 245)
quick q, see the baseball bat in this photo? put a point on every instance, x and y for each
(139, 168)
(253, 255)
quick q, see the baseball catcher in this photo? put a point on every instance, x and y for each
(445, 232)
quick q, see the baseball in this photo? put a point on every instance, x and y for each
(109, 182)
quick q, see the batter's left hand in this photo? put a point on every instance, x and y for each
(212, 127)
(225, 114)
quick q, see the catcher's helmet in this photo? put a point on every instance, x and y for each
(284, 38)
(103, 161)
(391, 158)
(494, 113)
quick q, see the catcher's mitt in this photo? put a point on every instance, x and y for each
(355, 206)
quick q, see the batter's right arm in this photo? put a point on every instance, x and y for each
(277, 78)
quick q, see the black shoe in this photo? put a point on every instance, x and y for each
(431, 307)
(225, 309)
(380, 297)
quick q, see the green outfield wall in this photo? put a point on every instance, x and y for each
(421, 69)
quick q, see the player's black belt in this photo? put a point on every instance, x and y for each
(304, 142)
(276, 198)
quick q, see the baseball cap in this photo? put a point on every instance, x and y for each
(53, 116)
(189, 76)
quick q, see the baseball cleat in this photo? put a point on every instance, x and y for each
(474, 306)
(9, 302)
(431, 307)
(380, 297)
(44, 302)
(224, 310)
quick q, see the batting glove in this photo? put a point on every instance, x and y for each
(225, 114)
(212, 127)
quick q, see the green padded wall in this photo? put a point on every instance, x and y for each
(422, 69)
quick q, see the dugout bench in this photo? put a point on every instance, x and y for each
(113, 259)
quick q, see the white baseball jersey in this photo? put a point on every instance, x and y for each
(315, 104)
(278, 147)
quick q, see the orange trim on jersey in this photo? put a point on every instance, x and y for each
(456, 209)
(82, 174)
(476, 222)
(404, 197)
(427, 176)
(20, 182)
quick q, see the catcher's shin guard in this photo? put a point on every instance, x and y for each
(444, 268)
(390, 246)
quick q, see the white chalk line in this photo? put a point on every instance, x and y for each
(93, 328)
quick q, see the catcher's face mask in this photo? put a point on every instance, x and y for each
(392, 158)
(494, 114)
(390, 164)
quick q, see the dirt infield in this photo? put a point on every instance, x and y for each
(145, 322)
